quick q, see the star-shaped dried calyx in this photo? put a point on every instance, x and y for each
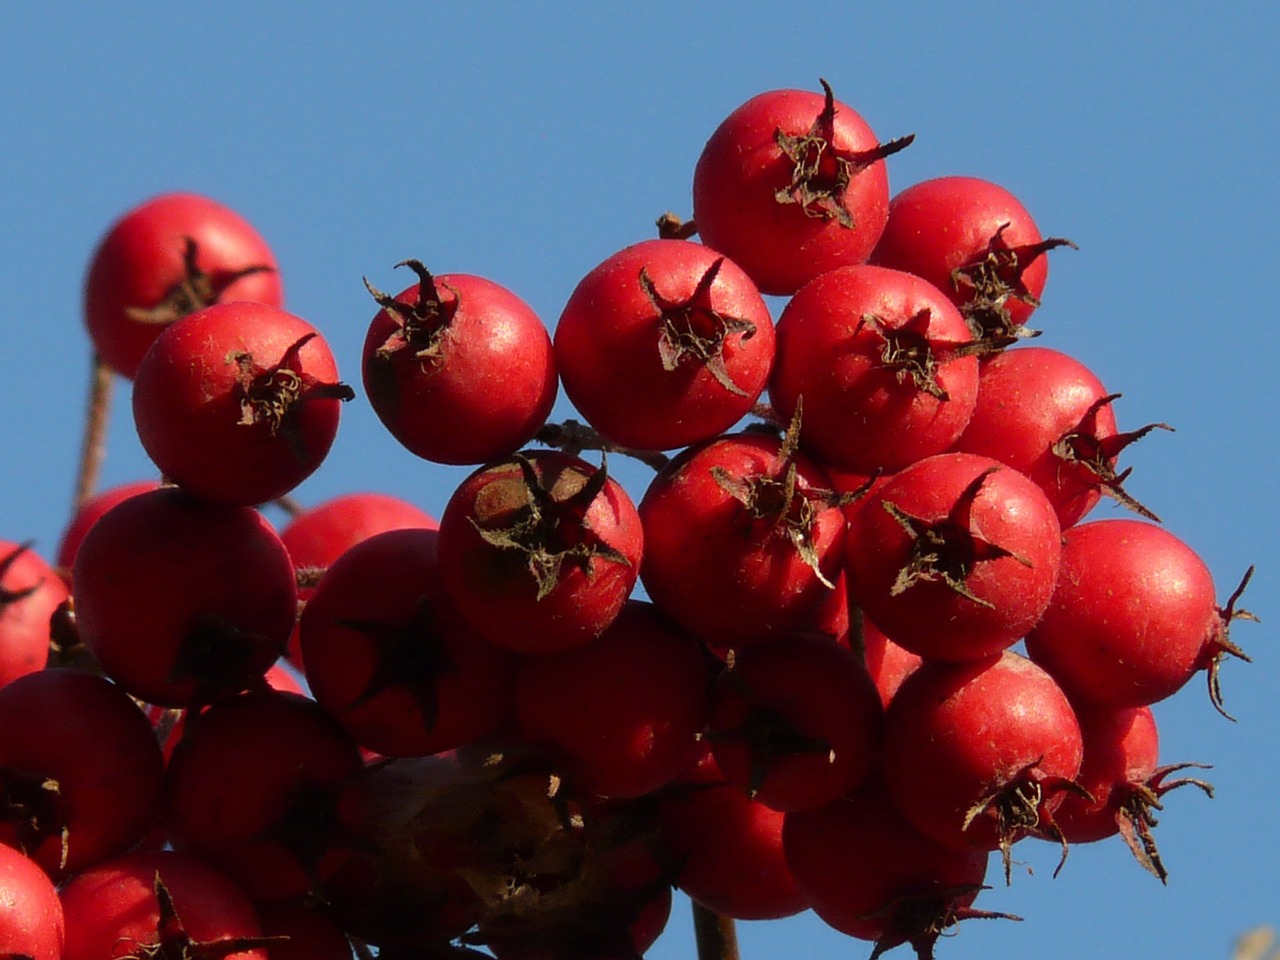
(411, 653)
(947, 550)
(994, 279)
(768, 736)
(173, 942)
(1019, 807)
(913, 355)
(1134, 816)
(1082, 445)
(421, 324)
(820, 173)
(1220, 645)
(693, 329)
(220, 657)
(8, 595)
(551, 529)
(271, 394)
(311, 827)
(32, 804)
(195, 291)
(776, 504)
(921, 919)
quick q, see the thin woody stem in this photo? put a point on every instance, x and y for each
(716, 936)
(93, 447)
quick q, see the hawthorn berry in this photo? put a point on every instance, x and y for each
(238, 403)
(183, 601)
(664, 344)
(167, 257)
(458, 368)
(792, 184)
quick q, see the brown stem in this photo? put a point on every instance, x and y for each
(290, 505)
(573, 437)
(93, 447)
(715, 935)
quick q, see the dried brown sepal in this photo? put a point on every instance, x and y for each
(1221, 646)
(1135, 819)
(217, 655)
(820, 174)
(767, 735)
(671, 227)
(776, 505)
(995, 278)
(33, 804)
(947, 550)
(8, 596)
(175, 943)
(573, 437)
(550, 532)
(921, 919)
(1018, 805)
(195, 291)
(421, 324)
(1082, 445)
(270, 395)
(409, 653)
(913, 355)
(693, 328)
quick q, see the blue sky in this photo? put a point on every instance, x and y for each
(526, 142)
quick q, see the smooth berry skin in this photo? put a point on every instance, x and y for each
(1006, 594)
(31, 923)
(1028, 400)
(729, 577)
(87, 515)
(30, 592)
(742, 168)
(84, 733)
(141, 259)
(387, 654)
(728, 847)
(859, 412)
(480, 392)
(1121, 751)
(493, 586)
(623, 712)
(320, 534)
(958, 734)
(207, 434)
(941, 225)
(112, 912)
(254, 789)
(1133, 616)
(795, 723)
(607, 344)
(183, 601)
(867, 872)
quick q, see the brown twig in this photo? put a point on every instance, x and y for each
(573, 437)
(716, 936)
(93, 447)
(1256, 944)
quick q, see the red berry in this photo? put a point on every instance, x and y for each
(238, 403)
(458, 368)
(166, 258)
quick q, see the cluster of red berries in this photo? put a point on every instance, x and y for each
(817, 705)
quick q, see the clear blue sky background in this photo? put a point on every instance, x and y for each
(526, 142)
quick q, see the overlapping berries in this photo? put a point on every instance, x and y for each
(785, 675)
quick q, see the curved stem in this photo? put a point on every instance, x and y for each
(716, 936)
(93, 446)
